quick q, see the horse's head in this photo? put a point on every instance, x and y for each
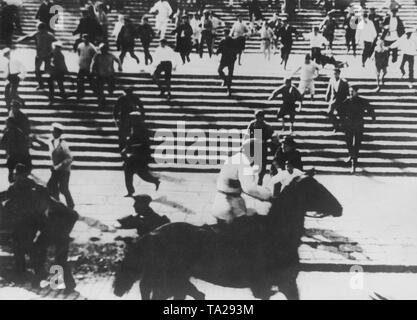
(309, 195)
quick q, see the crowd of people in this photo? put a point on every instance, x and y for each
(381, 38)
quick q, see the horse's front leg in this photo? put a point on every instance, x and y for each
(193, 292)
(288, 283)
(61, 259)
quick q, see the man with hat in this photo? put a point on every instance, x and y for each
(393, 30)
(206, 34)
(17, 145)
(21, 119)
(165, 60)
(352, 113)
(125, 105)
(61, 164)
(145, 220)
(103, 67)
(43, 39)
(285, 34)
(184, 33)
(21, 208)
(376, 19)
(14, 71)
(408, 46)
(366, 34)
(87, 25)
(137, 155)
(86, 52)
(239, 174)
(57, 71)
(260, 130)
(287, 152)
(336, 94)
(146, 34)
(227, 48)
(9, 21)
(239, 33)
(44, 13)
(290, 95)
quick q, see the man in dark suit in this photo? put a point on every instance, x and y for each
(352, 113)
(393, 30)
(137, 154)
(376, 19)
(285, 34)
(261, 130)
(336, 94)
(44, 13)
(290, 95)
(228, 49)
(126, 104)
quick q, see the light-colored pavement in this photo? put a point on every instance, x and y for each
(377, 231)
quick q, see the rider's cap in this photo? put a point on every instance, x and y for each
(58, 126)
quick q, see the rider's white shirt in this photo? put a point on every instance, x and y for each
(284, 178)
(236, 176)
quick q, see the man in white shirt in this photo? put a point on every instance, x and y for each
(165, 60)
(238, 175)
(317, 42)
(86, 52)
(308, 71)
(367, 34)
(337, 92)
(195, 25)
(61, 164)
(163, 11)
(239, 32)
(408, 46)
(283, 178)
(13, 71)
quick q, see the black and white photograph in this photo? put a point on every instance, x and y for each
(223, 150)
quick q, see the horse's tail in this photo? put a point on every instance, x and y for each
(132, 267)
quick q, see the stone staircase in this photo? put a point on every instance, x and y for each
(199, 103)
(306, 18)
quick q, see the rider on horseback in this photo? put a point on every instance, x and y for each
(238, 175)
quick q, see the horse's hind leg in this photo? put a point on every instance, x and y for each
(288, 284)
(289, 289)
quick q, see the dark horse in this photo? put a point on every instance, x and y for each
(49, 224)
(252, 252)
